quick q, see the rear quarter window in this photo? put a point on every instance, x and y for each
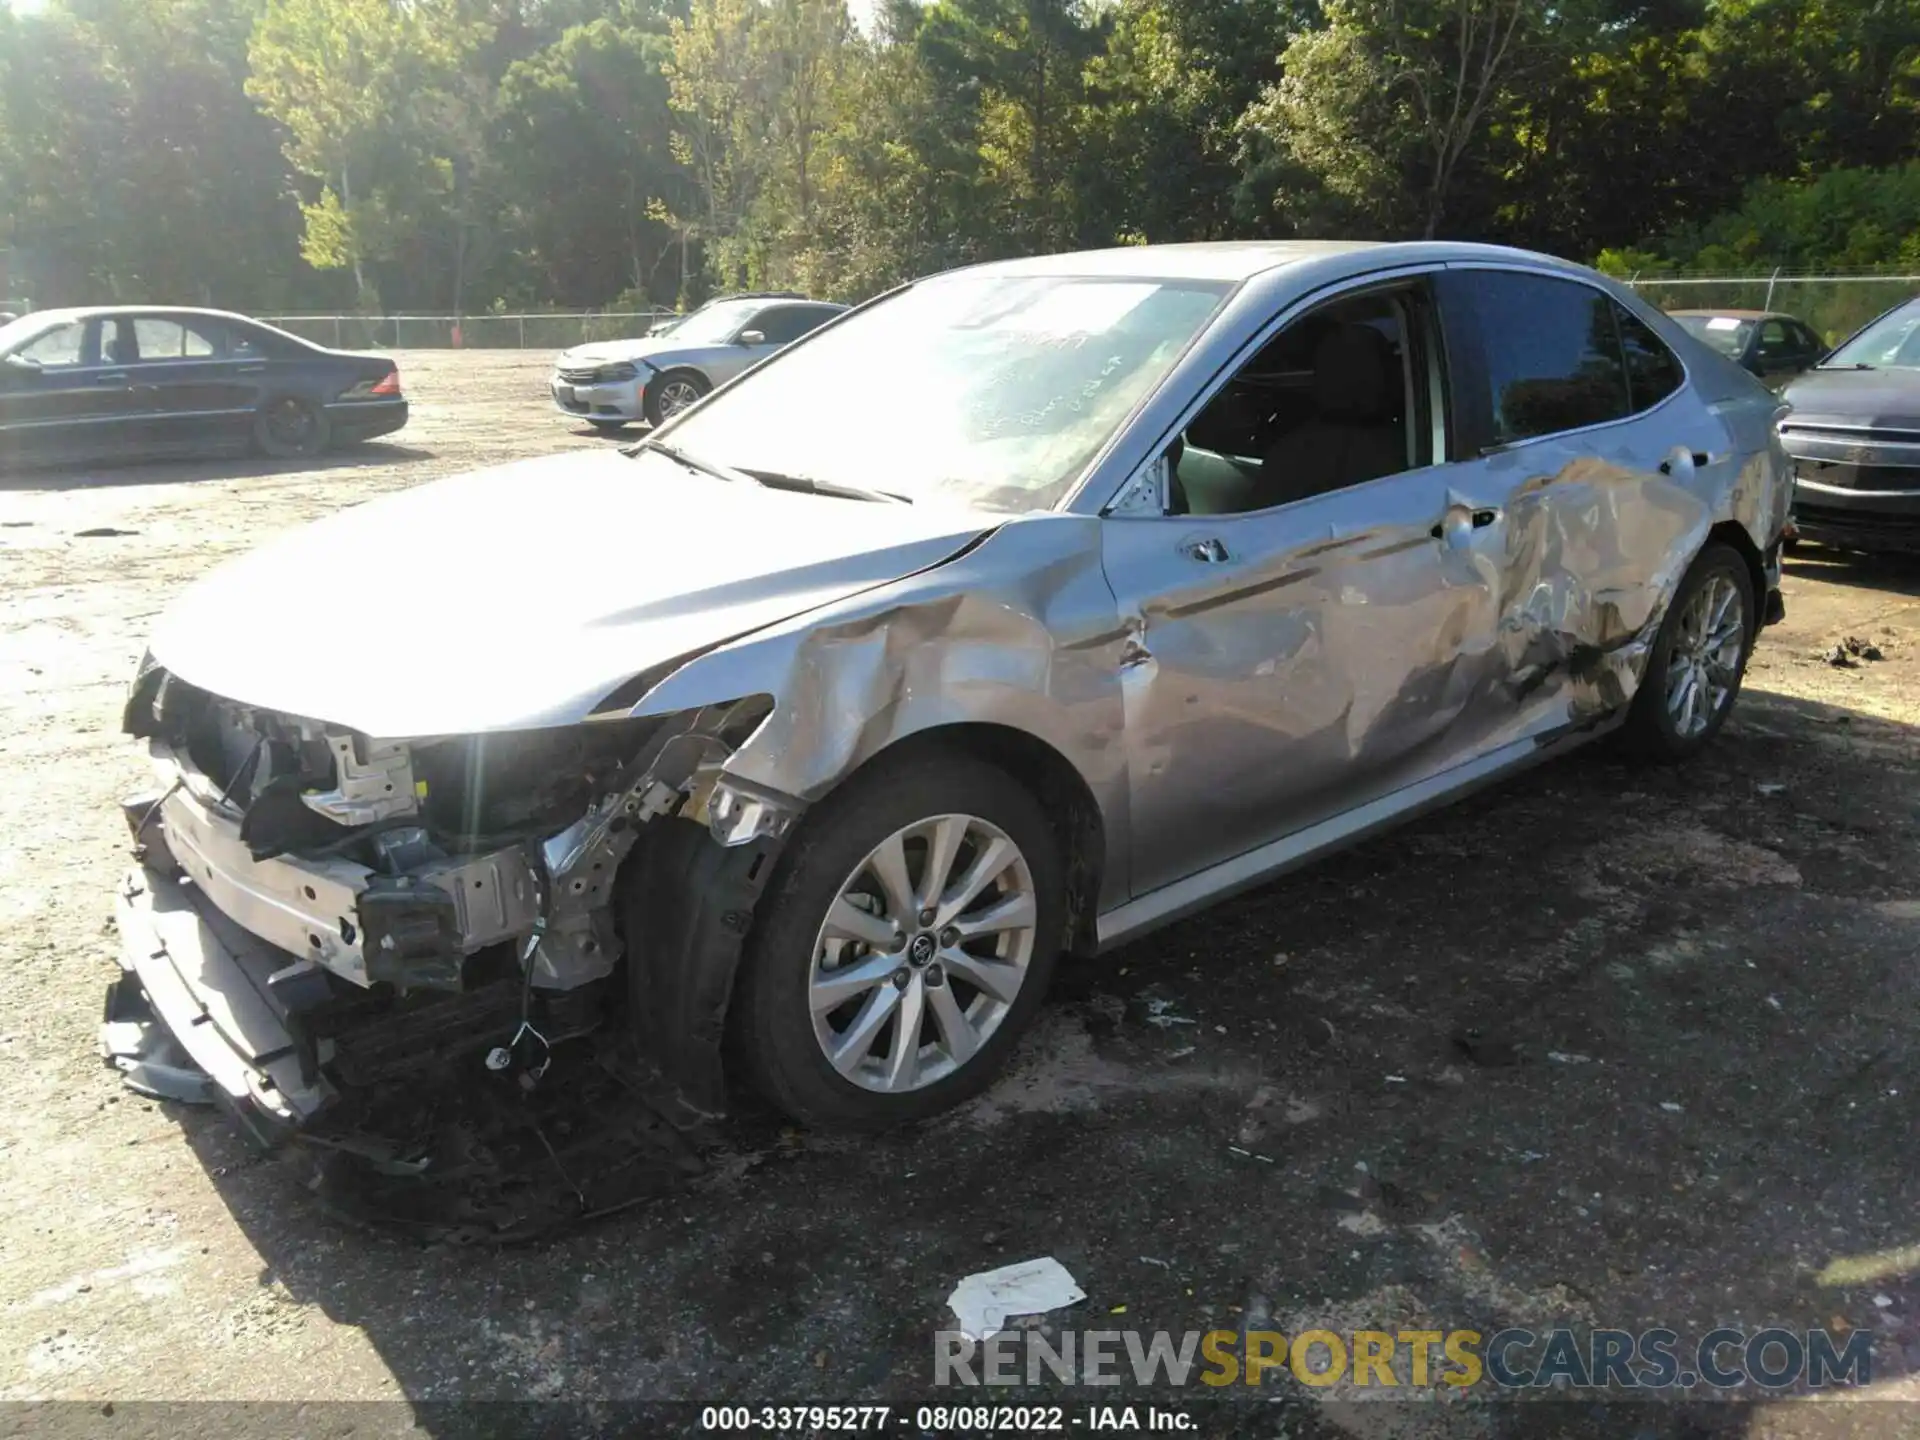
(1653, 371)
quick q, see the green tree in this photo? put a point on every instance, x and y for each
(583, 145)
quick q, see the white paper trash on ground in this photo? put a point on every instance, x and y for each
(984, 1301)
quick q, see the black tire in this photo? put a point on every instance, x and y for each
(1651, 730)
(661, 384)
(290, 427)
(772, 1023)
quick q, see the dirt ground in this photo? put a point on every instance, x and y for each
(1692, 1089)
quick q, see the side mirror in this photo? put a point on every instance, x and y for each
(752, 337)
(21, 364)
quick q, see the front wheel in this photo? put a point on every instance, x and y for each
(667, 395)
(1699, 658)
(905, 944)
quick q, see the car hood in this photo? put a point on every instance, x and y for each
(521, 596)
(607, 352)
(1880, 399)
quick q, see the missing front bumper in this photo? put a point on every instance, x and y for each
(193, 1017)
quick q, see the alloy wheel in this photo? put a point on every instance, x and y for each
(923, 953)
(675, 396)
(290, 423)
(1703, 664)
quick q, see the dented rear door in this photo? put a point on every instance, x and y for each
(1595, 466)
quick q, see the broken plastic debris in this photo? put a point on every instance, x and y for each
(1883, 1302)
(1670, 1107)
(1181, 1053)
(1567, 1057)
(1771, 787)
(983, 1302)
(1160, 1012)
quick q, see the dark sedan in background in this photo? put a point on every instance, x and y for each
(145, 381)
(1854, 435)
(1765, 343)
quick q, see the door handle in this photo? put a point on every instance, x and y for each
(1474, 520)
(257, 368)
(1208, 551)
(111, 377)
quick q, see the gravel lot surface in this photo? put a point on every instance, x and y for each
(1688, 1091)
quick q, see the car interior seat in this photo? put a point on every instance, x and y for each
(1357, 432)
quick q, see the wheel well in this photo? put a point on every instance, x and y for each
(1734, 534)
(1069, 804)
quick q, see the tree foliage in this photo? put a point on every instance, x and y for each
(461, 154)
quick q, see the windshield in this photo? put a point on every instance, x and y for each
(716, 323)
(1725, 333)
(1893, 339)
(983, 390)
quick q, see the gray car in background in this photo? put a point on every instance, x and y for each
(1143, 576)
(613, 383)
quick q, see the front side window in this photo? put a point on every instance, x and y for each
(1891, 341)
(1339, 397)
(985, 390)
(783, 324)
(1551, 353)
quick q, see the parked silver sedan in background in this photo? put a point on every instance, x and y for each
(613, 383)
(1141, 576)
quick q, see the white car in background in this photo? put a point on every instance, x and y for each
(614, 383)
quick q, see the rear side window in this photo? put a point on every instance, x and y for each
(1653, 371)
(1551, 352)
(168, 339)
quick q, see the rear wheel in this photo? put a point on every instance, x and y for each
(1699, 658)
(905, 944)
(290, 427)
(667, 395)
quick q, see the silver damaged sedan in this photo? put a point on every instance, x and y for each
(1141, 577)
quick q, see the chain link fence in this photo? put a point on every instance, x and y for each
(469, 332)
(1835, 305)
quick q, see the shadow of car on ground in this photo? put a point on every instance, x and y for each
(95, 475)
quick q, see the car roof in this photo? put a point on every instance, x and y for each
(1740, 314)
(96, 312)
(1239, 260)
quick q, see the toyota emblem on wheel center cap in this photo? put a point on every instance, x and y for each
(921, 951)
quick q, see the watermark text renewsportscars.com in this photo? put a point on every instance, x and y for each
(1771, 1359)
